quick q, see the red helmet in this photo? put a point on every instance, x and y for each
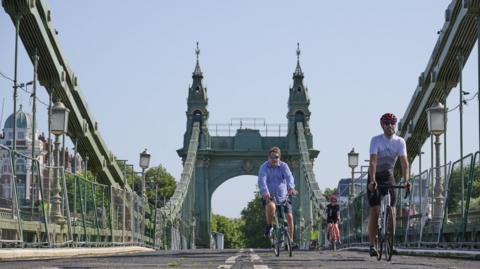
(333, 198)
(388, 118)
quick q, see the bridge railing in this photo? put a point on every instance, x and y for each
(175, 225)
(442, 210)
(316, 201)
(85, 213)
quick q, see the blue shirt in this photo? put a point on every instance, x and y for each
(275, 180)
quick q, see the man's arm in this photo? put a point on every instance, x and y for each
(262, 184)
(405, 168)
(372, 169)
(290, 181)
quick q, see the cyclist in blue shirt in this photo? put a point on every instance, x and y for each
(276, 182)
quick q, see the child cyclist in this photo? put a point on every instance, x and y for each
(333, 217)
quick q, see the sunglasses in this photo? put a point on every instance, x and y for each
(274, 157)
(389, 123)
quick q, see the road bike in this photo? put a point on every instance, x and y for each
(385, 223)
(280, 236)
(333, 236)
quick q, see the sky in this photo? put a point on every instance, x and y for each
(134, 61)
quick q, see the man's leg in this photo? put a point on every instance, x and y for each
(372, 224)
(270, 212)
(290, 224)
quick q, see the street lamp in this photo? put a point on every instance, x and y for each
(144, 164)
(352, 162)
(59, 126)
(436, 126)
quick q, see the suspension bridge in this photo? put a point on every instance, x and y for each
(107, 212)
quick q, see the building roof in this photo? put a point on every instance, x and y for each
(23, 119)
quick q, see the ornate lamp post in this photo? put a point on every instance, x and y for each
(144, 164)
(59, 126)
(352, 162)
(436, 126)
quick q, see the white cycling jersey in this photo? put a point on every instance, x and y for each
(387, 151)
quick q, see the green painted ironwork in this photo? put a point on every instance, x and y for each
(416, 222)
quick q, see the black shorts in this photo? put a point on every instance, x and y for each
(382, 178)
(287, 207)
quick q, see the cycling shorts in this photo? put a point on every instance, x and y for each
(382, 178)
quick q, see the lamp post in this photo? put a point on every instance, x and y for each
(352, 162)
(59, 126)
(144, 164)
(436, 127)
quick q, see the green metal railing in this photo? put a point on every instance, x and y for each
(87, 214)
(426, 218)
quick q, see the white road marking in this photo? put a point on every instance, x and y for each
(255, 257)
(224, 266)
(232, 259)
(260, 266)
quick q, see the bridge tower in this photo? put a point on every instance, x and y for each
(219, 158)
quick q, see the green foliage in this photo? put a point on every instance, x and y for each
(230, 228)
(158, 176)
(455, 187)
(329, 192)
(253, 217)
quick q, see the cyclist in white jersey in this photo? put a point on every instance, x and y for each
(384, 151)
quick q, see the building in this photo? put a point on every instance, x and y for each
(23, 161)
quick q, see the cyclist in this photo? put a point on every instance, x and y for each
(276, 182)
(384, 151)
(333, 217)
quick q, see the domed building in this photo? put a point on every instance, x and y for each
(23, 165)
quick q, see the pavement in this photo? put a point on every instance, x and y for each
(242, 259)
(439, 253)
(16, 254)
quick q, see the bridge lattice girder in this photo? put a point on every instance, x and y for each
(457, 37)
(38, 34)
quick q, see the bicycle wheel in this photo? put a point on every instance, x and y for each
(379, 243)
(288, 243)
(278, 241)
(275, 242)
(389, 236)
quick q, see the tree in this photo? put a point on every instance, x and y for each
(329, 192)
(454, 197)
(230, 228)
(158, 176)
(253, 217)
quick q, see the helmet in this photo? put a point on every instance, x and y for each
(388, 117)
(333, 198)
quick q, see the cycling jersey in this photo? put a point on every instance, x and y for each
(387, 151)
(332, 213)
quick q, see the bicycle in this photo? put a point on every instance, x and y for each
(332, 236)
(385, 223)
(280, 236)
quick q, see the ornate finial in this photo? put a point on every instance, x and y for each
(197, 72)
(298, 51)
(197, 51)
(298, 70)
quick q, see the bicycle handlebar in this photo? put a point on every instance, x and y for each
(407, 193)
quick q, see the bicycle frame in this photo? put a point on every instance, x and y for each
(281, 235)
(384, 205)
(385, 237)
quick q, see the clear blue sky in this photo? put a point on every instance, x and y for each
(134, 61)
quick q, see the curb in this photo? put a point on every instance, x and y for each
(57, 253)
(440, 253)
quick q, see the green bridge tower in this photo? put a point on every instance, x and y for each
(220, 158)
